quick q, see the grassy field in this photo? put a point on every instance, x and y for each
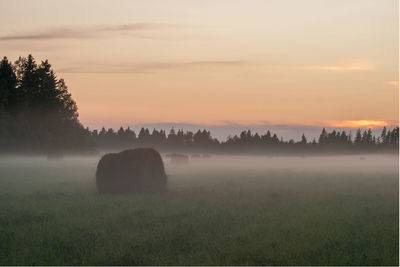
(224, 211)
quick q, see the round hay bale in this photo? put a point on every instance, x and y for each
(55, 155)
(206, 156)
(179, 159)
(133, 170)
(195, 156)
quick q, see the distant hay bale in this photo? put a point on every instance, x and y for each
(363, 158)
(55, 155)
(133, 170)
(180, 159)
(195, 156)
(206, 156)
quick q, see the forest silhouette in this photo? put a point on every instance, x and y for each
(37, 112)
(38, 115)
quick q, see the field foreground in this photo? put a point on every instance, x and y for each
(218, 211)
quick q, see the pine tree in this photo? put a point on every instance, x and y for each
(8, 83)
(42, 116)
(303, 139)
(383, 135)
(323, 137)
(358, 138)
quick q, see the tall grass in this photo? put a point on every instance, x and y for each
(50, 214)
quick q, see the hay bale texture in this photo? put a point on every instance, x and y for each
(133, 170)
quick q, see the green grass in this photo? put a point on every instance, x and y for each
(50, 214)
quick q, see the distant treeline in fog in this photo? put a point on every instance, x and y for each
(38, 115)
(248, 142)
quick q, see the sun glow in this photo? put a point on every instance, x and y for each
(395, 83)
(360, 124)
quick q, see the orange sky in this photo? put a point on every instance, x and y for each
(308, 62)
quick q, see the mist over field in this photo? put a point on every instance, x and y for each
(222, 210)
(326, 165)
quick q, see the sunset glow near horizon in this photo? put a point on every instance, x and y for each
(325, 63)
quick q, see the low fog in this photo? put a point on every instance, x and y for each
(72, 168)
(265, 164)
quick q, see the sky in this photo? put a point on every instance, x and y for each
(228, 64)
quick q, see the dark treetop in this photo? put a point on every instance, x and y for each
(37, 113)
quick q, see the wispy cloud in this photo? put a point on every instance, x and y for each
(84, 32)
(342, 67)
(150, 67)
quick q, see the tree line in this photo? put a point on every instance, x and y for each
(248, 142)
(39, 115)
